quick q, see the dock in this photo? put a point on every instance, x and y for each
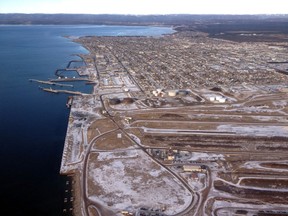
(50, 83)
(49, 90)
(68, 79)
(61, 91)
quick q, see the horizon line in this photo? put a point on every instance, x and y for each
(168, 14)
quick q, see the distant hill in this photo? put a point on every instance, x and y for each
(214, 25)
(69, 19)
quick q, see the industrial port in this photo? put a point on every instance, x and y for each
(182, 124)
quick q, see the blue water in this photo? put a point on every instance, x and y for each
(32, 122)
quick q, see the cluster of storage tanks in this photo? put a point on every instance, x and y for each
(116, 101)
(170, 93)
(218, 98)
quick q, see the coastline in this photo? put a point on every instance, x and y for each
(40, 116)
(70, 169)
(39, 145)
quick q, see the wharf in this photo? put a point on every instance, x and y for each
(68, 79)
(61, 91)
(50, 83)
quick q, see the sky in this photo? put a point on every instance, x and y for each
(139, 7)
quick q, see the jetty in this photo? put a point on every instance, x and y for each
(59, 71)
(68, 79)
(49, 90)
(74, 61)
(56, 91)
(50, 83)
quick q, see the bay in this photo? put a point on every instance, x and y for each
(33, 123)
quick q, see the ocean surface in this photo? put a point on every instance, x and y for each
(33, 123)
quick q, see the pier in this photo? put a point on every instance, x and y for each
(75, 61)
(56, 91)
(50, 83)
(69, 79)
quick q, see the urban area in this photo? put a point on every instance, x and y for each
(181, 124)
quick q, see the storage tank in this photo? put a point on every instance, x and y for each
(172, 93)
(128, 100)
(218, 97)
(114, 101)
(222, 100)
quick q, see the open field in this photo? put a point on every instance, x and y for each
(140, 183)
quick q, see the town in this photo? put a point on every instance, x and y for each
(181, 124)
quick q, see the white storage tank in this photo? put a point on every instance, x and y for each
(172, 93)
(218, 97)
(212, 99)
(222, 100)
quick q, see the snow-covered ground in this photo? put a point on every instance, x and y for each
(258, 165)
(84, 110)
(255, 130)
(128, 180)
(270, 118)
(196, 156)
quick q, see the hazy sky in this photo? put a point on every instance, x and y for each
(146, 6)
